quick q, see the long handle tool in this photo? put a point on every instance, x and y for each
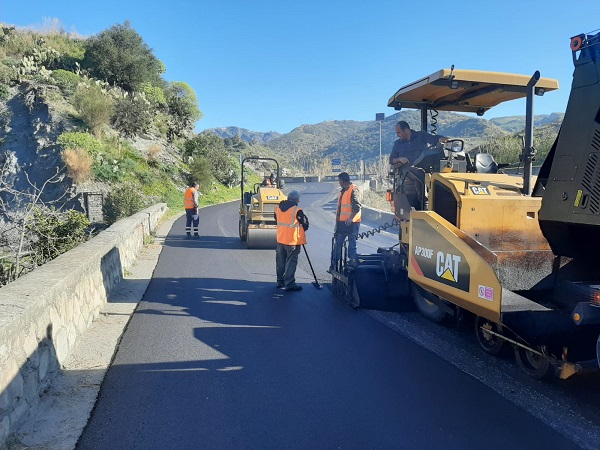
(316, 283)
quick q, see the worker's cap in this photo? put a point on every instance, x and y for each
(294, 195)
(272, 175)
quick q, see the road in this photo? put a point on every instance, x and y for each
(216, 357)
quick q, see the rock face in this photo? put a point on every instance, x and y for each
(29, 154)
(32, 117)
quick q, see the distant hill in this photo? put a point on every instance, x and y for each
(244, 134)
(353, 140)
(516, 124)
(308, 145)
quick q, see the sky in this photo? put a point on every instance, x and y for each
(272, 65)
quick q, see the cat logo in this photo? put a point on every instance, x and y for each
(435, 258)
(447, 266)
(480, 190)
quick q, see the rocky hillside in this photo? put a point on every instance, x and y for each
(33, 117)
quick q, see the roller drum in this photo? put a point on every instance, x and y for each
(261, 237)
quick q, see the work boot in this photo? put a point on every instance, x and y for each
(196, 236)
(293, 287)
(280, 285)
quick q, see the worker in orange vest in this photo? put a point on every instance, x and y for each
(347, 221)
(291, 226)
(190, 203)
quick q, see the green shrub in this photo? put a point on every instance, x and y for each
(133, 115)
(65, 80)
(56, 232)
(146, 177)
(86, 141)
(169, 169)
(123, 201)
(18, 43)
(165, 192)
(3, 91)
(70, 48)
(8, 73)
(128, 165)
(154, 94)
(94, 106)
(104, 171)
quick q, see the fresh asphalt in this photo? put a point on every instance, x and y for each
(216, 357)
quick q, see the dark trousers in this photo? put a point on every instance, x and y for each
(286, 260)
(343, 232)
(192, 222)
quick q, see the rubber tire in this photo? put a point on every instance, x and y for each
(492, 345)
(242, 229)
(537, 367)
(428, 309)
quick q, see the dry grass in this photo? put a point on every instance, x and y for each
(376, 199)
(79, 164)
(153, 151)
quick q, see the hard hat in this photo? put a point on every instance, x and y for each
(293, 195)
(272, 175)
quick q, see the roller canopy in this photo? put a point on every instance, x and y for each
(473, 91)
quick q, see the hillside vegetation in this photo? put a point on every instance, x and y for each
(81, 116)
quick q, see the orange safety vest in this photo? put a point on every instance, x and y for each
(289, 230)
(188, 198)
(345, 205)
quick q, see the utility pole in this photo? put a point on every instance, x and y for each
(379, 117)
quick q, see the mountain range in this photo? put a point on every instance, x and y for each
(360, 140)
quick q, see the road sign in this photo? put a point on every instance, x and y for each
(336, 165)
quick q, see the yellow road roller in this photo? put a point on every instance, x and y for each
(257, 225)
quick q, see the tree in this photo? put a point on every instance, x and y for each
(201, 171)
(210, 147)
(182, 108)
(120, 56)
(203, 144)
(34, 231)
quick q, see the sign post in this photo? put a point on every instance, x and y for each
(380, 117)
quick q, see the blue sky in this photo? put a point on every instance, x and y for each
(272, 65)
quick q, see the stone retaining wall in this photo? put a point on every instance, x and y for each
(43, 313)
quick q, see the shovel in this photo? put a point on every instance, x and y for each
(316, 282)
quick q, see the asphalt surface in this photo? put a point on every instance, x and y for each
(216, 357)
